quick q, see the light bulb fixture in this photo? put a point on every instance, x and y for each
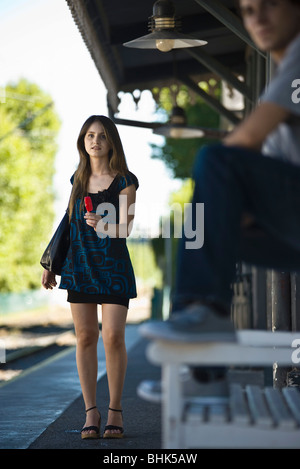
(177, 126)
(164, 34)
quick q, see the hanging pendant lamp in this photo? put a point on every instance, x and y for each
(177, 126)
(164, 34)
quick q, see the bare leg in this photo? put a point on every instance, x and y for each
(85, 319)
(113, 333)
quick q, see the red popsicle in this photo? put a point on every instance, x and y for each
(88, 204)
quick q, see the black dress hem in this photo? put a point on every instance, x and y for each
(98, 298)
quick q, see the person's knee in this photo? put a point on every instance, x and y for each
(87, 337)
(113, 338)
(209, 156)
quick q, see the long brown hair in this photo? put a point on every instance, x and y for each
(117, 159)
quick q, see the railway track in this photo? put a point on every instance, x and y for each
(25, 351)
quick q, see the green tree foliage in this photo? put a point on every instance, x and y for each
(179, 154)
(28, 131)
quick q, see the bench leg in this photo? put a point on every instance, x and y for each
(172, 407)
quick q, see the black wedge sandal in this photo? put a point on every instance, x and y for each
(91, 436)
(109, 434)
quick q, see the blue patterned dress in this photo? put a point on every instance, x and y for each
(97, 268)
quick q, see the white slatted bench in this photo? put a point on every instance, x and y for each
(249, 416)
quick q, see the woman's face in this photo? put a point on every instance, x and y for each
(95, 141)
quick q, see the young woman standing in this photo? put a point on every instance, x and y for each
(98, 268)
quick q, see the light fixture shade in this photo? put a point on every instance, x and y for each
(150, 41)
(177, 128)
(164, 34)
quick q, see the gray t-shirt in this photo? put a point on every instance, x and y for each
(284, 90)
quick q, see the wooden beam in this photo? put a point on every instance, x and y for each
(223, 72)
(214, 103)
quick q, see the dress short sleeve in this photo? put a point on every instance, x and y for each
(128, 180)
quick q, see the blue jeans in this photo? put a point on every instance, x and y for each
(232, 181)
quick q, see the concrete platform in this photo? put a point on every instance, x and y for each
(44, 409)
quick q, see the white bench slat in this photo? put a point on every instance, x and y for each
(218, 413)
(195, 413)
(251, 406)
(292, 397)
(279, 409)
(205, 412)
(258, 408)
(239, 410)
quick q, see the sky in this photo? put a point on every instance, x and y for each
(39, 41)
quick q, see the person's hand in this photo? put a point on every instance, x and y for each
(48, 280)
(92, 219)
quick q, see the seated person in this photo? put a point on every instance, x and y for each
(255, 171)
